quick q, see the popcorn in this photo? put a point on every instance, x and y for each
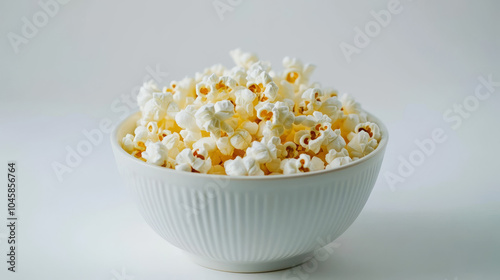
(242, 59)
(152, 128)
(336, 159)
(186, 119)
(311, 101)
(350, 122)
(329, 92)
(246, 166)
(217, 69)
(371, 128)
(173, 143)
(211, 117)
(193, 161)
(310, 140)
(249, 120)
(290, 150)
(205, 90)
(128, 143)
(217, 170)
(277, 117)
(295, 72)
(238, 74)
(213, 89)
(333, 140)
(240, 139)
(320, 134)
(273, 167)
(313, 120)
(138, 154)
(185, 92)
(361, 145)
(251, 127)
(156, 153)
(332, 107)
(146, 93)
(159, 106)
(206, 143)
(225, 84)
(303, 164)
(142, 135)
(350, 106)
(244, 102)
(224, 145)
(262, 152)
(285, 90)
(260, 83)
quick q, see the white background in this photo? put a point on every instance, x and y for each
(442, 222)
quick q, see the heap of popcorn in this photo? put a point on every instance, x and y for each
(249, 120)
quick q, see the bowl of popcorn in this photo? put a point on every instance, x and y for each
(247, 169)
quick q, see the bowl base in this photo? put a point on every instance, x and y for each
(251, 267)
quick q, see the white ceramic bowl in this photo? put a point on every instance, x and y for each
(248, 224)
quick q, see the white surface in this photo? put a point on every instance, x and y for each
(443, 222)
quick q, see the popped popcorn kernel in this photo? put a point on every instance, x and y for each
(361, 145)
(303, 164)
(246, 166)
(371, 128)
(211, 117)
(146, 93)
(250, 120)
(159, 107)
(156, 153)
(337, 158)
(128, 143)
(193, 161)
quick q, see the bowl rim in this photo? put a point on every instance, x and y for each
(115, 142)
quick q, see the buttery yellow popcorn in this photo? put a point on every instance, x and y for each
(250, 120)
